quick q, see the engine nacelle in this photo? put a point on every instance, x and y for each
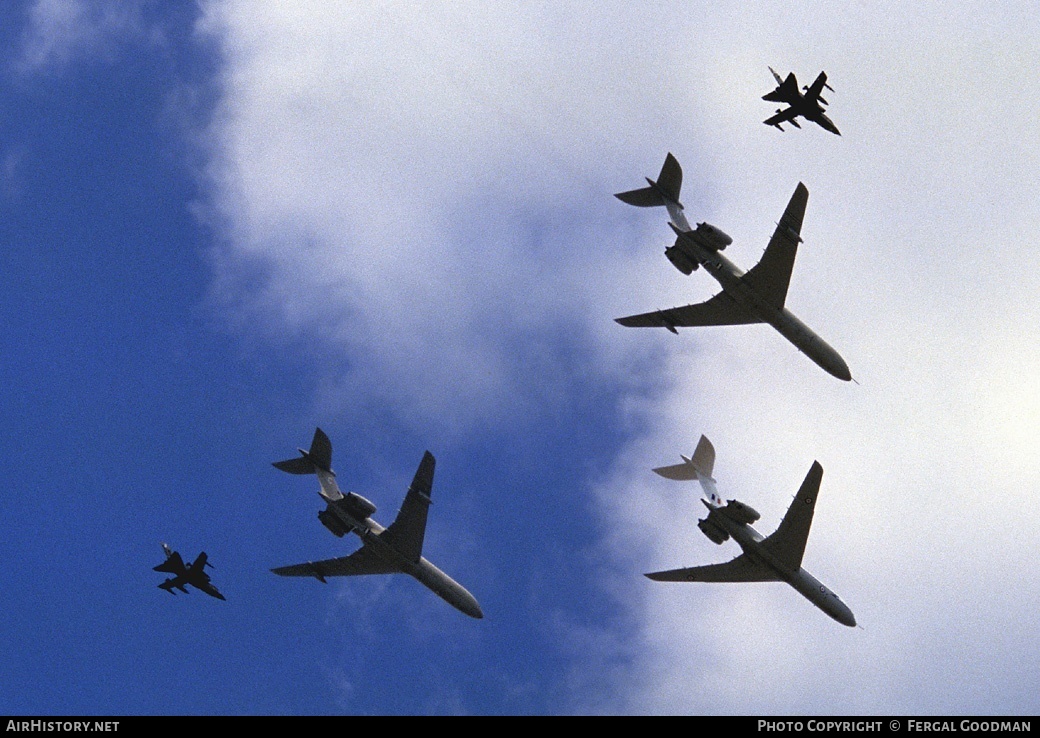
(333, 523)
(714, 533)
(740, 513)
(712, 237)
(358, 506)
(680, 260)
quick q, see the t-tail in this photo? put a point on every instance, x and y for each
(699, 468)
(319, 457)
(662, 192)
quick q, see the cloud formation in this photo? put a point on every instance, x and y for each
(425, 196)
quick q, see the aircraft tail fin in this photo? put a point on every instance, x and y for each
(698, 467)
(319, 457)
(665, 189)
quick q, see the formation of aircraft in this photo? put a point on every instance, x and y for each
(757, 296)
(193, 574)
(391, 550)
(809, 105)
(775, 558)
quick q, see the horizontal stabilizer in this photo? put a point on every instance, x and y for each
(296, 466)
(319, 457)
(700, 465)
(679, 472)
(647, 197)
(666, 188)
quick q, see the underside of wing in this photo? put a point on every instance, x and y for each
(788, 542)
(771, 276)
(298, 465)
(719, 310)
(199, 564)
(408, 530)
(740, 569)
(173, 564)
(209, 589)
(361, 562)
(782, 117)
(816, 87)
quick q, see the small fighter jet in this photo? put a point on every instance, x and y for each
(757, 296)
(776, 558)
(193, 574)
(809, 105)
(396, 549)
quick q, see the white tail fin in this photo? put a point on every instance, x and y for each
(699, 467)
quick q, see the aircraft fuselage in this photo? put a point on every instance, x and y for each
(728, 275)
(370, 532)
(750, 541)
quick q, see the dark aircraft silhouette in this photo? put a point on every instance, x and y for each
(809, 106)
(182, 574)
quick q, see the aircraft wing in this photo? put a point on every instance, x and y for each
(408, 530)
(199, 564)
(740, 569)
(788, 542)
(209, 589)
(816, 87)
(363, 561)
(174, 564)
(783, 116)
(771, 276)
(719, 310)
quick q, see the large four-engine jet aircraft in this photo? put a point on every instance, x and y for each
(396, 549)
(809, 106)
(757, 296)
(776, 558)
(193, 574)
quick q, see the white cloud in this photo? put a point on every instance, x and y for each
(424, 190)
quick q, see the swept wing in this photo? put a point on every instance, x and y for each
(771, 276)
(784, 116)
(405, 535)
(813, 93)
(788, 542)
(408, 530)
(719, 310)
(363, 561)
(174, 564)
(740, 569)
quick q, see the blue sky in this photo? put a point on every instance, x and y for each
(226, 223)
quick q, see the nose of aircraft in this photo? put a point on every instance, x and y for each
(836, 365)
(844, 615)
(470, 606)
